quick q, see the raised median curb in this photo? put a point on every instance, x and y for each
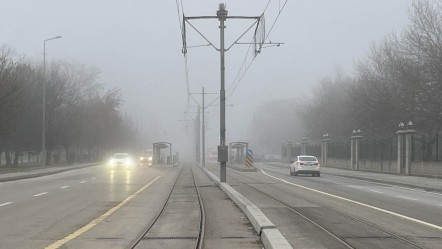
(271, 237)
(41, 172)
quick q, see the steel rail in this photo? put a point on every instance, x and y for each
(140, 237)
(200, 240)
(329, 231)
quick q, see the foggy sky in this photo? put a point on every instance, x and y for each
(137, 46)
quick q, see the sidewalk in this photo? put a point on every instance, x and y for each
(425, 183)
(24, 172)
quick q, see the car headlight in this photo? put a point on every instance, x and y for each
(150, 158)
(141, 158)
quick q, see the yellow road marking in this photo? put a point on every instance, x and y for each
(359, 203)
(59, 243)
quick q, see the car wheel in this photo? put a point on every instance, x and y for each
(318, 174)
(295, 174)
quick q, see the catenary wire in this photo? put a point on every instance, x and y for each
(236, 82)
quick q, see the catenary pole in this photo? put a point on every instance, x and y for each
(203, 134)
(222, 15)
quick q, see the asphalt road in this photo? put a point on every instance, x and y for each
(338, 212)
(97, 207)
(37, 212)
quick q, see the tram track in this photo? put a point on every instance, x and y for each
(181, 194)
(345, 241)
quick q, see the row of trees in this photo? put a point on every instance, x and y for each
(82, 119)
(400, 79)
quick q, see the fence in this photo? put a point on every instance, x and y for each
(339, 154)
(381, 155)
(426, 156)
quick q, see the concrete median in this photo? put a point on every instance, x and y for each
(271, 237)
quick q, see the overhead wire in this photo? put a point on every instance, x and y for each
(236, 81)
(184, 50)
(238, 78)
(276, 19)
(179, 17)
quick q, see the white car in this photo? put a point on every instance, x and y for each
(305, 165)
(120, 160)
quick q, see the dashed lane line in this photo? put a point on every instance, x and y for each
(61, 242)
(82, 181)
(6, 203)
(408, 198)
(65, 186)
(358, 203)
(375, 191)
(41, 194)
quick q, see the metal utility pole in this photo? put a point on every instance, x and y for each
(222, 15)
(197, 137)
(202, 128)
(258, 41)
(203, 134)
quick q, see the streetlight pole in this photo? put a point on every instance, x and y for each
(43, 140)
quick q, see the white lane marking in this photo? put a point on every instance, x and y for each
(94, 178)
(408, 198)
(355, 186)
(61, 242)
(65, 187)
(439, 205)
(82, 181)
(375, 191)
(41, 194)
(377, 183)
(359, 203)
(385, 184)
(6, 203)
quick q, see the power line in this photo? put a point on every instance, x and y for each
(236, 82)
(277, 17)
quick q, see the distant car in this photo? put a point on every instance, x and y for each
(120, 160)
(305, 165)
(146, 159)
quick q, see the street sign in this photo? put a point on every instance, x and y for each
(249, 152)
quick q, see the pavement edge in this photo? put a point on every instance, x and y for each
(45, 173)
(271, 237)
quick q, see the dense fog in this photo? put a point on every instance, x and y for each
(133, 49)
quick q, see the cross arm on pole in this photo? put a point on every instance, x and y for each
(204, 37)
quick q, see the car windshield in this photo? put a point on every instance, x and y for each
(308, 159)
(120, 156)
